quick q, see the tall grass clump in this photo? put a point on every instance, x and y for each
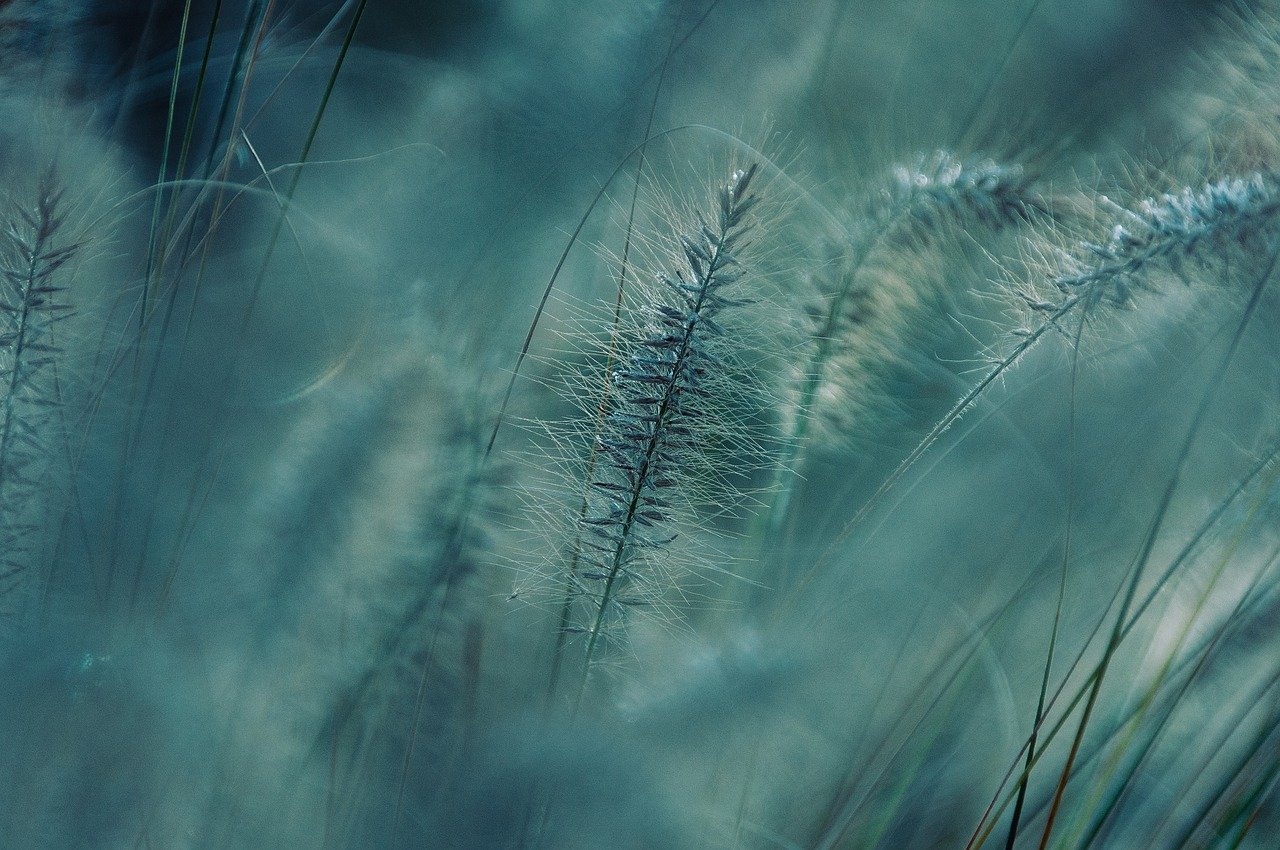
(903, 476)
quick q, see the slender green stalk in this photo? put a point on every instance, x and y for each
(171, 114)
(1062, 588)
(992, 814)
(1136, 754)
(1153, 533)
(1266, 734)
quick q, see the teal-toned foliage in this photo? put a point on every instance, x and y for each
(671, 424)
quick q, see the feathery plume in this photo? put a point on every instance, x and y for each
(916, 200)
(665, 400)
(1228, 212)
(30, 304)
(942, 186)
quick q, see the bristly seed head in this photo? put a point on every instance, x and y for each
(663, 394)
(941, 185)
(1232, 211)
(30, 305)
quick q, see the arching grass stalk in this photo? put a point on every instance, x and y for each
(951, 663)
(110, 547)
(153, 232)
(1262, 742)
(1175, 668)
(1068, 523)
(1136, 754)
(210, 464)
(1253, 604)
(1167, 229)
(159, 245)
(842, 812)
(972, 641)
(991, 816)
(1153, 532)
(663, 401)
(1213, 748)
(1246, 810)
(843, 801)
(936, 188)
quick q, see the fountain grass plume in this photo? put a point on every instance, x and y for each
(914, 203)
(374, 541)
(671, 397)
(941, 187)
(31, 303)
(416, 695)
(1184, 225)
(1232, 215)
